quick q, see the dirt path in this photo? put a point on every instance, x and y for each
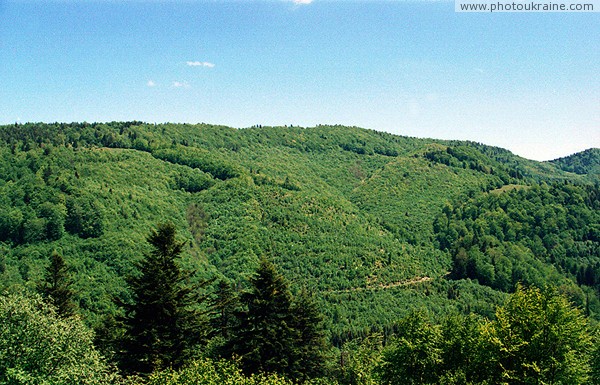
(409, 282)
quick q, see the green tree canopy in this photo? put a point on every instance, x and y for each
(39, 347)
(538, 338)
(161, 326)
(56, 286)
(277, 333)
(415, 355)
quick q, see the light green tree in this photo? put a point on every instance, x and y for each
(415, 357)
(595, 362)
(39, 347)
(222, 372)
(359, 360)
(538, 337)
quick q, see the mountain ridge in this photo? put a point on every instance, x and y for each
(345, 211)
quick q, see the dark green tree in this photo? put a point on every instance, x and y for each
(223, 307)
(265, 338)
(85, 218)
(161, 326)
(277, 333)
(312, 344)
(55, 220)
(56, 286)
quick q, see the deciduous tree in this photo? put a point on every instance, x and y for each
(39, 347)
(539, 338)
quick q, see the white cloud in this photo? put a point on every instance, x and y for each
(151, 83)
(302, 2)
(177, 84)
(200, 64)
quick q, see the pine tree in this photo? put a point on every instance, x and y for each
(265, 338)
(223, 307)
(277, 333)
(161, 327)
(312, 344)
(56, 286)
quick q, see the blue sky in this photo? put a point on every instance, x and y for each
(526, 82)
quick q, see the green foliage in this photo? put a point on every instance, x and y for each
(160, 327)
(223, 305)
(525, 234)
(312, 342)
(199, 159)
(85, 217)
(56, 286)
(538, 337)
(274, 332)
(348, 212)
(39, 347)
(192, 180)
(463, 357)
(360, 360)
(585, 162)
(595, 362)
(415, 355)
(208, 372)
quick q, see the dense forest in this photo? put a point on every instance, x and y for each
(183, 254)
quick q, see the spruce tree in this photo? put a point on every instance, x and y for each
(265, 339)
(160, 326)
(223, 307)
(56, 286)
(312, 343)
(277, 333)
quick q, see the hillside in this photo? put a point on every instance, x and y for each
(352, 214)
(583, 163)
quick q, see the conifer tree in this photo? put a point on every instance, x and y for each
(161, 327)
(223, 307)
(277, 333)
(265, 338)
(56, 286)
(312, 341)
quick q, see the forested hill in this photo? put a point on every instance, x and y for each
(585, 162)
(376, 224)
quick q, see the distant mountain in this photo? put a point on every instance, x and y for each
(375, 224)
(582, 163)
